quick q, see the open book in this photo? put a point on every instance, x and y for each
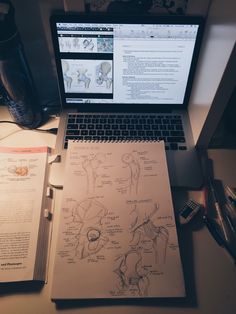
(23, 225)
(117, 234)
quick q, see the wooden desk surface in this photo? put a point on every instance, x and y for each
(210, 274)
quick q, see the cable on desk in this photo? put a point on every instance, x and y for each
(51, 130)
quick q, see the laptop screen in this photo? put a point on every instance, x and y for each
(127, 61)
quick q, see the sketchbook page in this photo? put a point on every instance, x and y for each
(22, 174)
(117, 234)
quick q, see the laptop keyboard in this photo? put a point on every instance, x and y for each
(126, 127)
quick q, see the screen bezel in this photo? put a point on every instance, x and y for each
(129, 19)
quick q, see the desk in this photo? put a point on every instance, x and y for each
(210, 274)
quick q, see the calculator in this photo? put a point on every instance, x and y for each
(189, 210)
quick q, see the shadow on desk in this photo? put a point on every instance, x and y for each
(186, 251)
(20, 287)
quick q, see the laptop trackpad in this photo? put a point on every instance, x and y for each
(184, 169)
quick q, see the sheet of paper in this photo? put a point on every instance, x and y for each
(117, 234)
(22, 175)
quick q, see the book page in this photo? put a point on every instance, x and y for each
(117, 235)
(22, 175)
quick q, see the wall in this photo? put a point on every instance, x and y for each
(218, 43)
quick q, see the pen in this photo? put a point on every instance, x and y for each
(231, 224)
(218, 237)
(230, 196)
(230, 215)
(232, 201)
(219, 214)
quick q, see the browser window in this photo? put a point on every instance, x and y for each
(125, 63)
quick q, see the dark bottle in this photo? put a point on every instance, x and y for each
(16, 83)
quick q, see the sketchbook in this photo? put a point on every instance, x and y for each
(24, 226)
(117, 235)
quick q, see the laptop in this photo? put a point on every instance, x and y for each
(125, 78)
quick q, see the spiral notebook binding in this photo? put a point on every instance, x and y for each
(118, 141)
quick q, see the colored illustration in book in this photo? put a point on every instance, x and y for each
(22, 168)
(21, 171)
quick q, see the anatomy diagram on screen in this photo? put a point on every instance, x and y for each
(85, 222)
(67, 78)
(76, 44)
(80, 75)
(87, 76)
(103, 70)
(105, 45)
(88, 44)
(83, 78)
